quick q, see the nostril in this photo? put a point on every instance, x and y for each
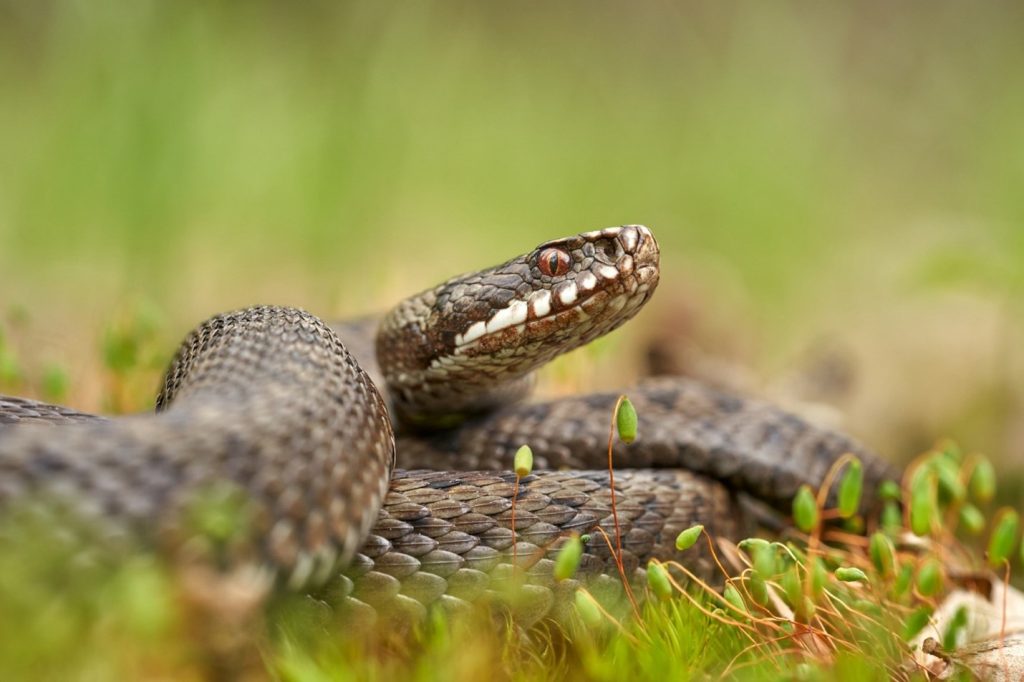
(607, 248)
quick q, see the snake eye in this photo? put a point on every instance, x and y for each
(553, 262)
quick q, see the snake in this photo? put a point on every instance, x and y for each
(375, 456)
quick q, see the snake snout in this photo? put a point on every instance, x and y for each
(646, 256)
(638, 258)
(476, 337)
(639, 241)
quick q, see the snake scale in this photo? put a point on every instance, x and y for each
(269, 401)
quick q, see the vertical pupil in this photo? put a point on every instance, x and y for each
(553, 262)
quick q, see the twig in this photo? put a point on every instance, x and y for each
(610, 617)
(714, 555)
(515, 543)
(622, 574)
(611, 479)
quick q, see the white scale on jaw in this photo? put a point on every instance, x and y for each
(515, 313)
(567, 293)
(541, 302)
(587, 281)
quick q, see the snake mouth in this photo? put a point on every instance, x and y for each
(613, 272)
(471, 342)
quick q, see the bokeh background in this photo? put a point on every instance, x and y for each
(838, 189)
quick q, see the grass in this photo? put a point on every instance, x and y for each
(800, 166)
(845, 170)
(820, 603)
(791, 614)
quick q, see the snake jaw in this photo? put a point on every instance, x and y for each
(505, 321)
(609, 268)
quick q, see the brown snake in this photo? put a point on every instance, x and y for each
(269, 401)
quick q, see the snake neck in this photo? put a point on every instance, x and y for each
(472, 342)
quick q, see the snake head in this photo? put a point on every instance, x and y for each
(564, 293)
(468, 344)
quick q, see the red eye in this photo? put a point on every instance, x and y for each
(553, 262)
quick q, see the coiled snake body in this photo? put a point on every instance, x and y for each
(268, 401)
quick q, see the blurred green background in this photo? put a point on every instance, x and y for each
(833, 185)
